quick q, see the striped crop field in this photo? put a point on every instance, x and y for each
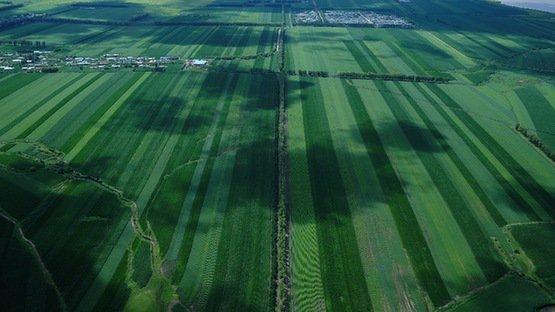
(276, 156)
(395, 51)
(382, 170)
(135, 139)
(183, 41)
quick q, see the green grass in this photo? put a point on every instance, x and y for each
(401, 196)
(426, 146)
(405, 219)
(510, 293)
(536, 240)
(343, 283)
(540, 111)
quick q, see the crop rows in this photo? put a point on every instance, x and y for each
(407, 130)
(407, 187)
(111, 127)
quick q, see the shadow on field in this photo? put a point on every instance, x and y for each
(94, 166)
(420, 138)
(19, 271)
(67, 234)
(219, 38)
(427, 49)
(169, 109)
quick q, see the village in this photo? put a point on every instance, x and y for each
(19, 19)
(337, 17)
(118, 61)
(307, 17)
(47, 61)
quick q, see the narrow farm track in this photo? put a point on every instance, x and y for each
(99, 124)
(199, 273)
(53, 161)
(178, 236)
(30, 246)
(128, 234)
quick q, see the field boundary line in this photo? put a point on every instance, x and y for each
(104, 119)
(199, 271)
(458, 300)
(282, 243)
(179, 234)
(32, 249)
(511, 225)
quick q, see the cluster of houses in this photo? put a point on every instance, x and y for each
(341, 17)
(30, 62)
(307, 17)
(41, 61)
(387, 21)
(111, 61)
(20, 19)
(195, 63)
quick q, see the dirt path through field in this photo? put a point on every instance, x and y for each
(179, 234)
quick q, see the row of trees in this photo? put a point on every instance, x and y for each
(84, 21)
(26, 43)
(534, 139)
(244, 57)
(10, 7)
(99, 4)
(369, 76)
(394, 77)
(205, 23)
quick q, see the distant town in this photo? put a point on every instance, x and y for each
(47, 61)
(337, 17)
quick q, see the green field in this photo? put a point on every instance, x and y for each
(303, 168)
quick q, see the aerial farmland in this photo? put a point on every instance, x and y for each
(276, 155)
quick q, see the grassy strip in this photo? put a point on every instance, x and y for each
(266, 34)
(307, 292)
(16, 82)
(28, 130)
(506, 185)
(76, 259)
(510, 293)
(417, 38)
(359, 56)
(380, 67)
(409, 230)
(116, 292)
(21, 117)
(466, 174)
(192, 224)
(342, 271)
(481, 44)
(479, 242)
(178, 179)
(536, 141)
(185, 205)
(128, 155)
(203, 258)
(539, 109)
(54, 109)
(22, 267)
(104, 118)
(543, 197)
(68, 144)
(251, 202)
(537, 240)
(416, 67)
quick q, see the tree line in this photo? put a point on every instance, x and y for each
(536, 141)
(369, 76)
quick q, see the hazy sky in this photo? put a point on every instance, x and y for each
(544, 5)
(529, 1)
